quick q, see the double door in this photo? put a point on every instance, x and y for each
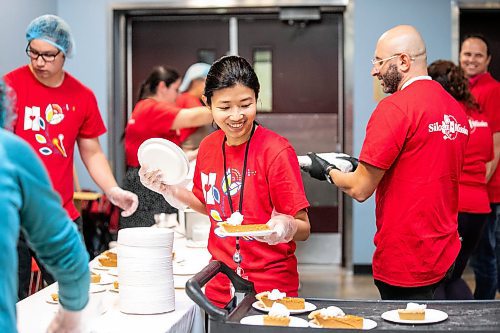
(298, 60)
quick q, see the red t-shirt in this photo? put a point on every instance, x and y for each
(187, 101)
(418, 135)
(150, 119)
(51, 119)
(473, 194)
(273, 181)
(486, 90)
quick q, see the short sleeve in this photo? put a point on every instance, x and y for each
(285, 183)
(386, 133)
(93, 125)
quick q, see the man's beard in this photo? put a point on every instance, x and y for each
(391, 79)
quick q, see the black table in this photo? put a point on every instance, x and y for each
(463, 316)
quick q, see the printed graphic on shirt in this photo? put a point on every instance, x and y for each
(33, 121)
(233, 181)
(449, 127)
(212, 194)
(473, 124)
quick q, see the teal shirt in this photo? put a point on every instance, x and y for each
(28, 203)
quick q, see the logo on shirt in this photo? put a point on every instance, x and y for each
(33, 121)
(233, 178)
(473, 124)
(210, 192)
(449, 127)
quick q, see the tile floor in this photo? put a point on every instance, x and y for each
(329, 281)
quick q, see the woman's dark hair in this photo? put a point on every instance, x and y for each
(227, 72)
(159, 74)
(452, 78)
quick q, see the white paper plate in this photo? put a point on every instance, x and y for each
(95, 264)
(95, 288)
(166, 156)
(50, 300)
(368, 324)
(308, 307)
(105, 279)
(113, 271)
(259, 320)
(431, 316)
(113, 289)
(219, 231)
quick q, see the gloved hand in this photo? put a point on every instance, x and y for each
(66, 321)
(126, 200)
(284, 227)
(344, 162)
(153, 181)
(320, 168)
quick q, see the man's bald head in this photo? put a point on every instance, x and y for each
(402, 39)
(400, 56)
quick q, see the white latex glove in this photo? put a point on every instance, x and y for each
(340, 161)
(66, 321)
(284, 227)
(126, 200)
(153, 181)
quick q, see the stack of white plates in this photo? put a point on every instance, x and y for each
(145, 270)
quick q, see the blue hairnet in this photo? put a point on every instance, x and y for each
(195, 71)
(53, 30)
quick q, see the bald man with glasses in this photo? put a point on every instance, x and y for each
(412, 156)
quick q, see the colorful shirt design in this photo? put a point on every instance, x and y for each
(51, 120)
(273, 180)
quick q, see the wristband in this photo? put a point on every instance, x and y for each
(327, 175)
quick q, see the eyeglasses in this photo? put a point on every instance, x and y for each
(381, 61)
(376, 61)
(47, 57)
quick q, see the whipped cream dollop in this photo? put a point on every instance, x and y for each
(332, 311)
(416, 306)
(275, 294)
(235, 219)
(279, 310)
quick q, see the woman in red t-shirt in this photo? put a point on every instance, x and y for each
(473, 205)
(244, 168)
(155, 116)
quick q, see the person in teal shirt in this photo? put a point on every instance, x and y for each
(28, 204)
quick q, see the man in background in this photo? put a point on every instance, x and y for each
(55, 111)
(474, 59)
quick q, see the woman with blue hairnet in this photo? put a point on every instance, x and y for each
(190, 92)
(55, 111)
(29, 205)
(155, 115)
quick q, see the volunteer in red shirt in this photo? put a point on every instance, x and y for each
(474, 60)
(412, 155)
(190, 92)
(245, 168)
(155, 116)
(55, 111)
(473, 203)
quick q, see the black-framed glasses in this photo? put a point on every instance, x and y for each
(47, 57)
